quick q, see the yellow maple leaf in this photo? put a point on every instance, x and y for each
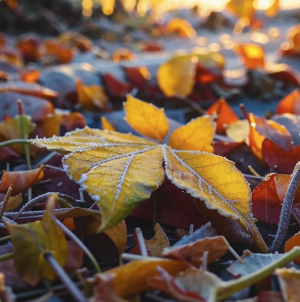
(146, 118)
(196, 135)
(119, 171)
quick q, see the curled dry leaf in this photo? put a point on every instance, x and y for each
(192, 285)
(193, 252)
(225, 115)
(146, 119)
(21, 180)
(73, 120)
(196, 135)
(13, 203)
(290, 103)
(106, 125)
(261, 129)
(253, 55)
(132, 277)
(32, 89)
(115, 87)
(91, 97)
(138, 76)
(289, 280)
(30, 76)
(177, 76)
(122, 160)
(31, 241)
(159, 242)
(268, 196)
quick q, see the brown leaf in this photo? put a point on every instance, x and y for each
(290, 103)
(21, 180)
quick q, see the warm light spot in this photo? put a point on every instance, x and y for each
(263, 4)
(129, 5)
(202, 41)
(228, 44)
(259, 38)
(285, 46)
(215, 47)
(194, 59)
(224, 38)
(87, 8)
(274, 32)
(191, 33)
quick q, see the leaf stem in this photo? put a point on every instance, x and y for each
(286, 210)
(79, 243)
(191, 103)
(7, 256)
(6, 238)
(18, 141)
(234, 286)
(72, 288)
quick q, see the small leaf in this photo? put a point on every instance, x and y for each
(193, 252)
(242, 9)
(253, 263)
(122, 54)
(31, 241)
(132, 277)
(225, 115)
(289, 280)
(291, 243)
(181, 27)
(158, 243)
(239, 131)
(272, 10)
(91, 97)
(177, 76)
(21, 180)
(252, 54)
(106, 125)
(146, 119)
(290, 103)
(13, 203)
(196, 135)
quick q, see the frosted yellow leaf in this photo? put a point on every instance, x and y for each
(106, 125)
(217, 182)
(146, 118)
(91, 97)
(196, 135)
(241, 8)
(177, 76)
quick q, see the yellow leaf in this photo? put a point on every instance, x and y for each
(239, 131)
(177, 76)
(241, 8)
(118, 235)
(196, 135)
(217, 182)
(91, 97)
(106, 125)
(146, 119)
(181, 27)
(289, 280)
(273, 9)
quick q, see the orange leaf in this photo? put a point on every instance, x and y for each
(181, 27)
(122, 54)
(261, 129)
(21, 180)
(289, 280)
(2, 41)
(253, 55)
(290, 103)
(116, 87)
(146, 118)
(292, 242)
(193, 252)
(29, 46)
(91, 97)
(106, 125)
(138, 76)
(196, 135)
(30, 76)
(132, 277)
(267, 197)
(226, 115)
(241, 8)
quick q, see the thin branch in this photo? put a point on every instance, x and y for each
(286, 210)
(72, 288)
(6, 256)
